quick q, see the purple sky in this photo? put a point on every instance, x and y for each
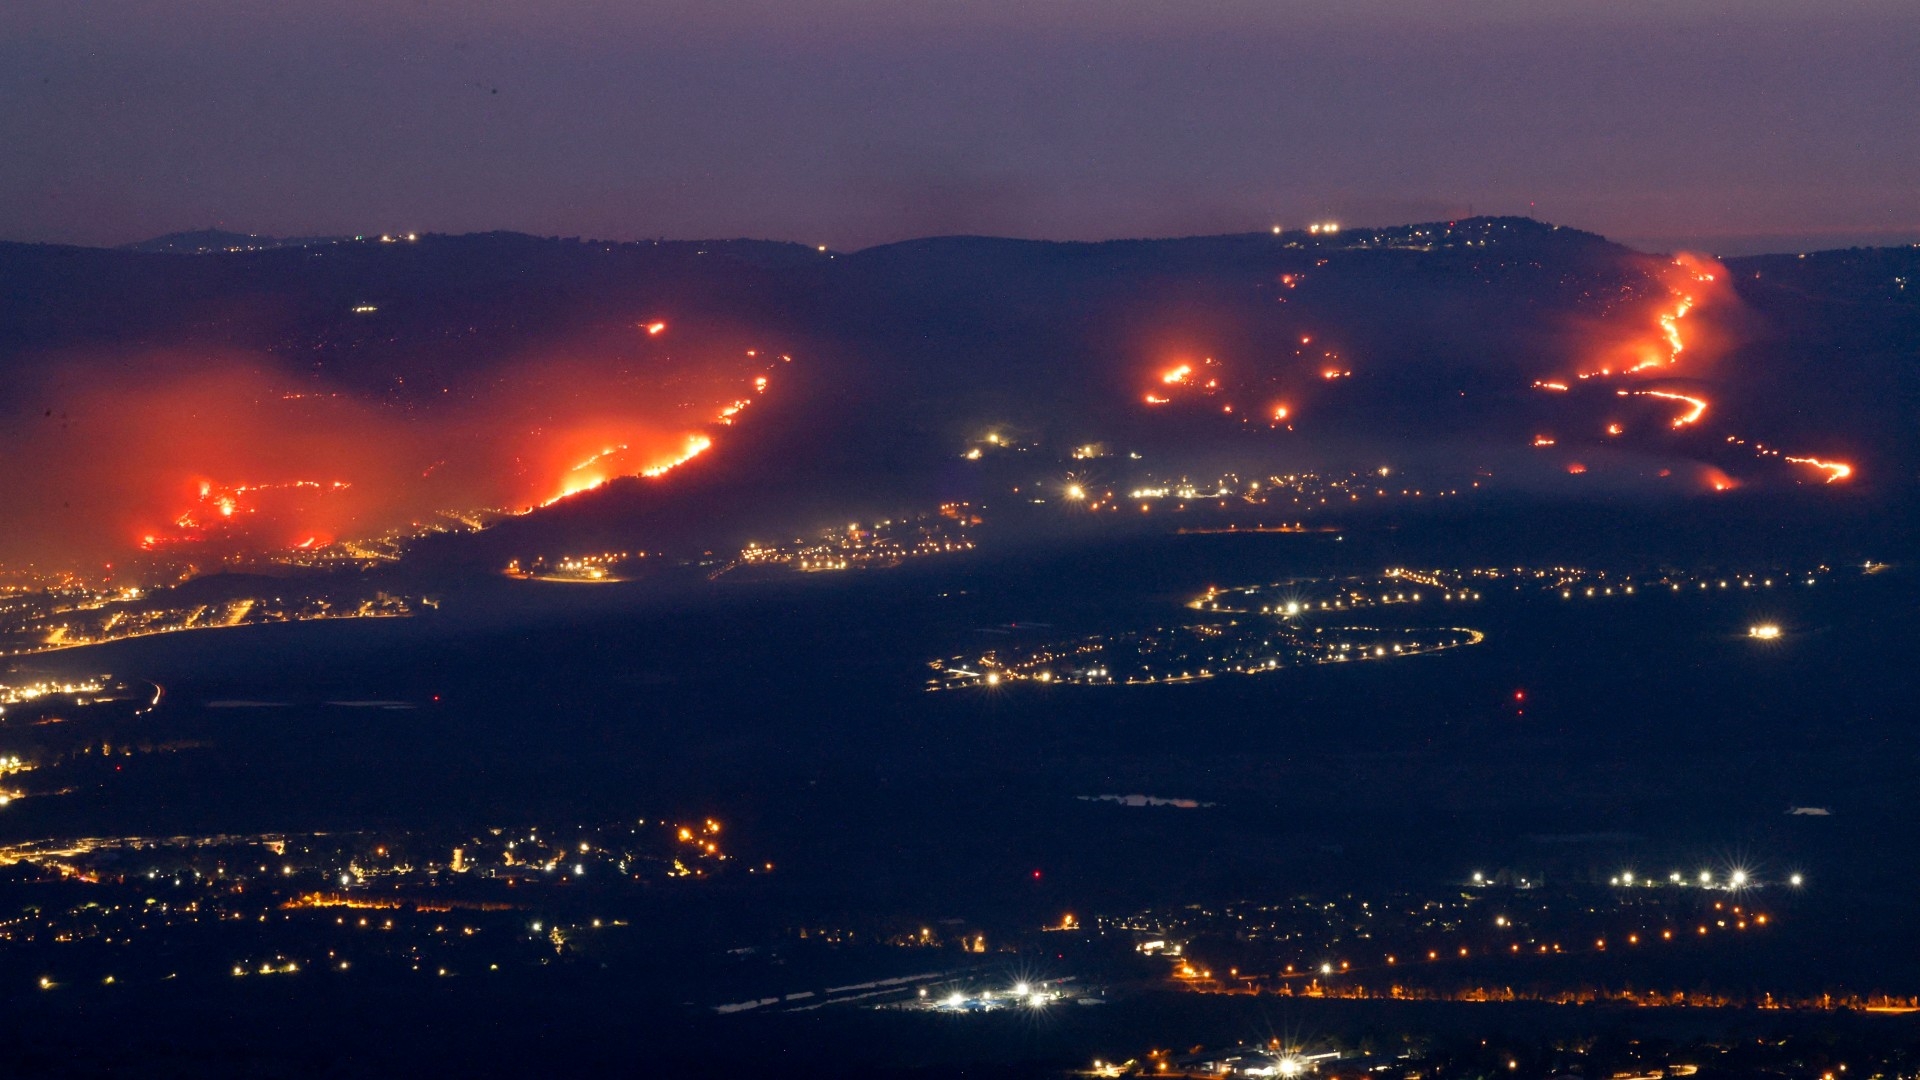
(1728, 126)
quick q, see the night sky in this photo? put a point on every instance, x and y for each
(1730, 127)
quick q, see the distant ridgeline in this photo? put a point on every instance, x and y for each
(702, 396)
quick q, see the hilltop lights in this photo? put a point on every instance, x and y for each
(1763, 631)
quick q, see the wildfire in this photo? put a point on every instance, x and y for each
(696, 445)
(597, 458)
(597, 469)
(218, 504)
(1177, 375)
(1691, 283)
(1835, 470)
(1697, 407)
(215, 460)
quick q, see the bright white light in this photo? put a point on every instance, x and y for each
(1021, 990)
(1739, 878)
(1794, 881)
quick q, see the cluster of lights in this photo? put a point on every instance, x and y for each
(1020, 995)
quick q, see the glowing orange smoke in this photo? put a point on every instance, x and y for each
(213, 514)
(1576, 468)
(1690, 281)
(1177, 375)
(206, 459)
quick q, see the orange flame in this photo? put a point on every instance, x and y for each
(696, 445)
(1835, 470)
(1697, 406)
